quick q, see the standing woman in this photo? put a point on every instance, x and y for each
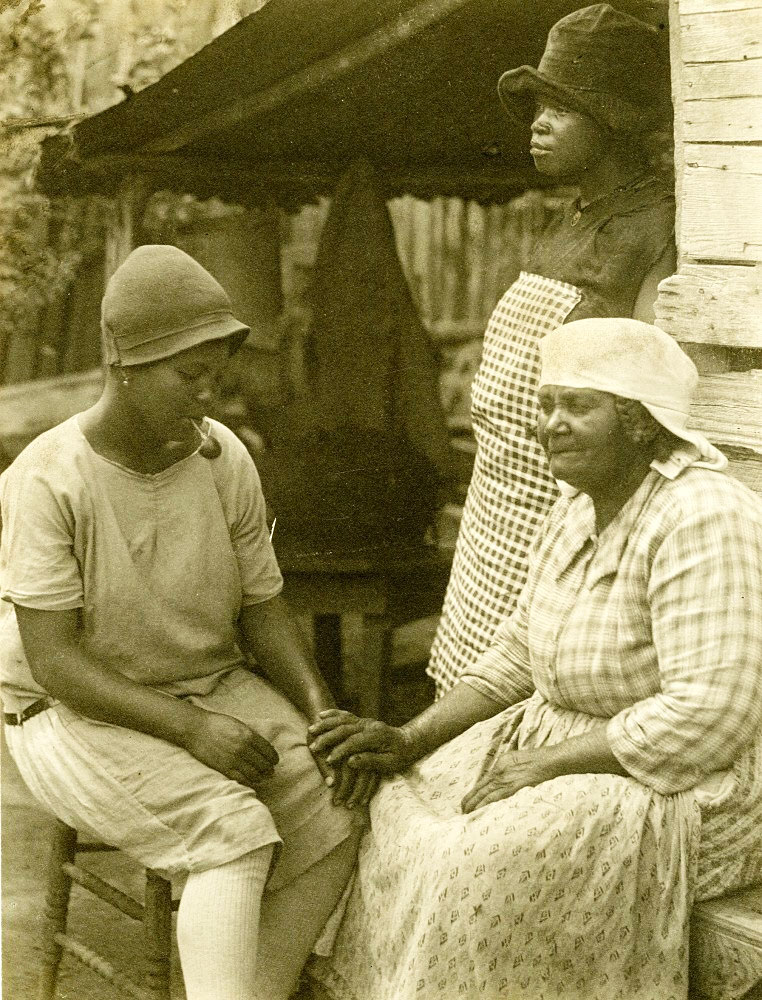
(599, 93)
(136, 566)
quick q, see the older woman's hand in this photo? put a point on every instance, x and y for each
(588, 753)
(513, 771)
(359, 744)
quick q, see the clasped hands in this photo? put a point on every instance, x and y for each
(352, 754)
(371, 747)
(229, 746)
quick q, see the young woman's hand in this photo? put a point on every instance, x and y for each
(351, 787)
(359, 744)
(230, 747)
(512, 772)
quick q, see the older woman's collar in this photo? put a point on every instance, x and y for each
(686, 455)
(580, 518)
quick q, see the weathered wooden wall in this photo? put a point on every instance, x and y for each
(712, 304)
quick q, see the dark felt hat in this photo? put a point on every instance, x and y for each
(599, 61)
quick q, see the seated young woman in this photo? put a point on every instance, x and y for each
(548, 823)
(136, 567)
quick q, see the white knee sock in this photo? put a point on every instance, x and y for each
(217, 928)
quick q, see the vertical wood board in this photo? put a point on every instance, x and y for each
(677, 70)
(124, 219)
(120, 226)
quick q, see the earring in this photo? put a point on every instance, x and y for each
(125, 381)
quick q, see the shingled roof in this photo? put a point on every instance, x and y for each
(281, 102)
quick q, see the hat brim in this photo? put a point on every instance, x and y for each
(520, 89)
(217, 328)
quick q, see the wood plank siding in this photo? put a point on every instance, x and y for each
(712, 304)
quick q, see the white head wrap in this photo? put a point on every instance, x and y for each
(636, 361)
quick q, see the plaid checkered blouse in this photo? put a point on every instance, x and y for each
(655, 624)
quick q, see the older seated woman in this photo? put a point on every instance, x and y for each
(600, 765)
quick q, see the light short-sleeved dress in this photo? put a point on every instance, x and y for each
(160, 566)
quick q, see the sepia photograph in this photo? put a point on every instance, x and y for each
(381, 499)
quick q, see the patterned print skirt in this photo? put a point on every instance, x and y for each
(511, 487)
(578, 888)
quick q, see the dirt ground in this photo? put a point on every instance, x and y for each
(26, 830)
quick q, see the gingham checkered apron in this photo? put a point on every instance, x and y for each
(511, 487)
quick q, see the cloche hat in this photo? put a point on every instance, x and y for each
(602, 62)
(161, 301)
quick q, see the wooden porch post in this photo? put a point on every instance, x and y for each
(124, 221)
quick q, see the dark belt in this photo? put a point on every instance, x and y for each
(19, 718)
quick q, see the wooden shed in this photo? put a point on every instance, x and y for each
(277, 106)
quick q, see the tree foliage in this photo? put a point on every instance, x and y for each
(34, 87)
(57, 64)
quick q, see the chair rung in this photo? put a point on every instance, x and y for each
(104, 969)
(108, 893)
